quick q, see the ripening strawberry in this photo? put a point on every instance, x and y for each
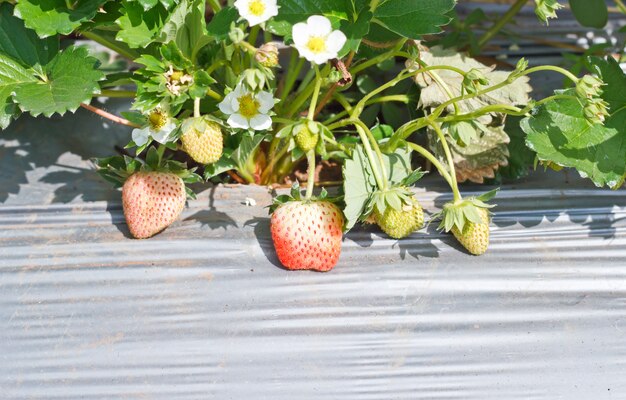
(203, 141)
(400, 224)
(307, 234)
(306, 139)
(475, 237)
(152, 201)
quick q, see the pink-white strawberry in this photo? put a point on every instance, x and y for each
(152, 201)
(307, 234)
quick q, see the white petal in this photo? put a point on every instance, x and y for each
(226, 105)
(261, 122)
(319, 25)
(253, 20)
(266, 102)
(272, 9)
(242, 7)
(306, 53)
(335, 42)
(300, 33)
(164, 134)
(321, 58)
(238, 121)
(141, 136)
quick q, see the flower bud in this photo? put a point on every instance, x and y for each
(267, 55)
(546, 9)
(589, 87)
(473, 80)
(596, 110)
(236, 35)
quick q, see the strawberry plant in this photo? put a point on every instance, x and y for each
(266, 91)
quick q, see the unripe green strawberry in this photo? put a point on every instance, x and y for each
(475, 237)
(307, 234)
(203, 141)
(306, 139)
(152, 201)
(400, 224)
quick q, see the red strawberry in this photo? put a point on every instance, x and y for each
(307, 234)
(152, 202)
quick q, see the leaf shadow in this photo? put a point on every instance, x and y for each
(37, 152)
(417, 245)
(211, 217)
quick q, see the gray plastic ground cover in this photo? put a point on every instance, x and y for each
(204, 311)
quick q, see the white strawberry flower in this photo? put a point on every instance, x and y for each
(160, 128)
(247, 109)
(257, 11)
(316, 40)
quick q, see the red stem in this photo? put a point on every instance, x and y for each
(109, 116)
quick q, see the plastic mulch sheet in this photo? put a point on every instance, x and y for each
(204, 311)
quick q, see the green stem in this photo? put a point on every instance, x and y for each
(316, 94)
(402, 76)
(110, 45)
(254, 35)
(215, 6)
(553, 68)
(444, 143)
(501, 22)
(400, 98)
(122, 94)
(433, 160)
(373, 5)
(215, 66)
(621, 6)
(310, 157)
(248, 47)
(196, 107)
(213, 94)
(380, 182)
(385, 56)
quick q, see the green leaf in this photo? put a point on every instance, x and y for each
(355, 31)
(358, 185)
(185, 26)
(12, 74)
(246, 149)
(414, 18)
(224, 164)
(559, 133)
(71, 79)
(521, 158)
(23, 44)
(295, 11)
(592, 13)
(8, 109)
(139, 28)
(219, 27)
(51, 17)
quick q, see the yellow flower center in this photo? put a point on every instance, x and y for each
(157, 119)
(316, 44)
(256, 8)
(248, 106)
(176, 75)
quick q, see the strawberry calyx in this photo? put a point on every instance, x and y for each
(397, 196)
(458, 214)
(119, 168)
(295, 195)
